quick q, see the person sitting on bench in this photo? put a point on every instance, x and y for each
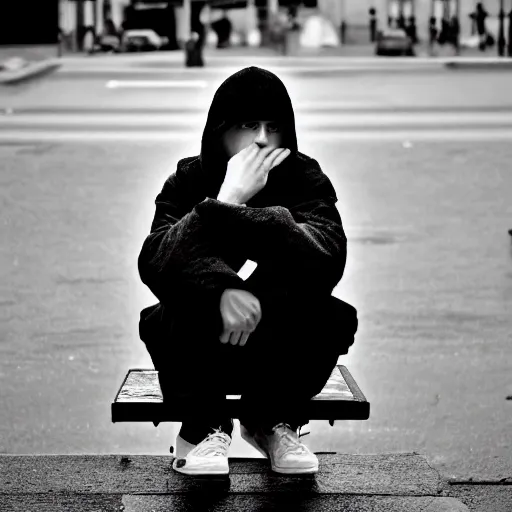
(273, 337)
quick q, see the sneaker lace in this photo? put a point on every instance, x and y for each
(216, 443)
(289, 439)
(302, 435)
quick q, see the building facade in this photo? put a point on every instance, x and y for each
(353, 14)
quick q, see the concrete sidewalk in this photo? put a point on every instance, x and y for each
(18, 64)
(388, 483)
(20, 71)
(343, 57)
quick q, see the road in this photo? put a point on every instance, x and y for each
(420, 162)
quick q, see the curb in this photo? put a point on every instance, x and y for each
(305, 64)
(498, 65)
(28, 72)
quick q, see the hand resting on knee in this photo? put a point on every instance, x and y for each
(241, 314)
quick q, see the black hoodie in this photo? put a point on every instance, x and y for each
(291, 228)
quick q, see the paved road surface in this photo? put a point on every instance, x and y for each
(420, 164)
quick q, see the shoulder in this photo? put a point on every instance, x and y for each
(185, 183)
(189, 163)
(305, 159)
(313, 176)
(187, 170)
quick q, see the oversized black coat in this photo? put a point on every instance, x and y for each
(291, 228)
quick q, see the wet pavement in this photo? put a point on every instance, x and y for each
(429, 269)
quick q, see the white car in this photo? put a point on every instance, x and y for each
(141, 40)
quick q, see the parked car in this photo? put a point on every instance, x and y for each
(106, 43)
(393, 42)
(142, 41)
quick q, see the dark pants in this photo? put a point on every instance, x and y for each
(286, 361)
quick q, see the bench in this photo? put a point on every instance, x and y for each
(139, 399)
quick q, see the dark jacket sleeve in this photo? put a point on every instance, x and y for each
(305, 243)
(178, 261)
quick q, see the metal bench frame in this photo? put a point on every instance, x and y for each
(139, 399)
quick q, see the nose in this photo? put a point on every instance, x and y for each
(262, 137)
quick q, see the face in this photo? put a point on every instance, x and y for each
(241, 135)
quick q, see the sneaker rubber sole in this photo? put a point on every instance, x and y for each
(204, 466)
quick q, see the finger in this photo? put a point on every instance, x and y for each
(280, 158)
(244, 338)
(224, 338)
(262, 154)
(250, 151)
(268, 163)
(235, 337)
(247, 152)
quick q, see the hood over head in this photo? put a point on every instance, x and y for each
(250, 94)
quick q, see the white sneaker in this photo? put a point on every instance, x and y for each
(286, 453)
(183, 447)
(209, 457)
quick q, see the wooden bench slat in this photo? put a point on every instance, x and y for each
(140, 399)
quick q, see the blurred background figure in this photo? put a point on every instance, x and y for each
(194, 51)
(444, 33)
(411, 29)
(480, 21)
(109, 39)
(373, 24)
(223, 29)
(433, 33)
(279, 26)
(318, 32)
(455, 32)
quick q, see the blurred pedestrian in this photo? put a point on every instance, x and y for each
(373, 24)
(480, 19)
(223, 29)
(110, 38)
(509, 44)
(443, 32)
(412, 30)
(194, 51)
(432, 31)
(454, 31)
(292, 16)
(279, 27)
(274, 336)
(343, 32)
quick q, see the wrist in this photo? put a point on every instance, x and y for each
(229, 198)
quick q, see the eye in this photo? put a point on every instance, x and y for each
(274, 127)
(249, 126)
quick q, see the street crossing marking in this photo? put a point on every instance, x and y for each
(156, 84)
